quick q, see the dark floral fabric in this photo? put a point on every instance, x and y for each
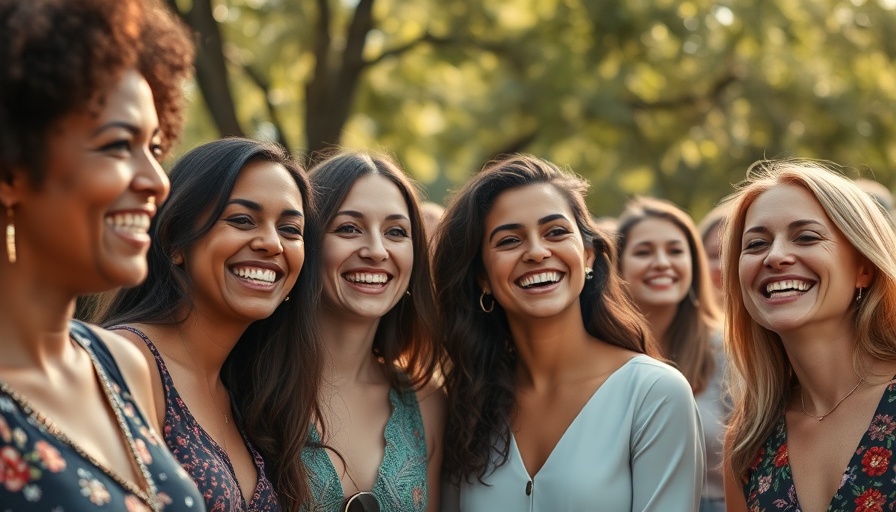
(41, 472)
(205, 461)
(868, 484)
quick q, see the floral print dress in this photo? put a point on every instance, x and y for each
(42, 470)
(868, 484)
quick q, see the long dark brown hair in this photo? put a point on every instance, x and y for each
(273, 371)
(480, 374)
(688, 341)
(403, 338)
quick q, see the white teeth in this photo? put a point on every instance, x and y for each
(544, 277)
(367, 278)
(789, 285)
(129, 222)
(256, 274)
(660, 281)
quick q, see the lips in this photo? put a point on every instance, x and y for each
(130, 222)
(539, 279)
(786, 288)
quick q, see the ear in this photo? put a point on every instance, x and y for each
(482, 282)
(590, 256)
(865, 274)
(13, 190)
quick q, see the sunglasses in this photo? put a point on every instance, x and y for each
(361, 502)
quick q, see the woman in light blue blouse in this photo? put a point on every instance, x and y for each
(554, 402)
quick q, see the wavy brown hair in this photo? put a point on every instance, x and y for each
(56, 55)
(688, 341)
(480, 374)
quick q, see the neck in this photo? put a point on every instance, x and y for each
(33, 319)
(823, 364)
(660, 319)
(348, 350)
(205, 342)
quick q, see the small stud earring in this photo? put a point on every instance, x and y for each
(589, 274)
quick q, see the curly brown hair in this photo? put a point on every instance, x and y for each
(56, 56)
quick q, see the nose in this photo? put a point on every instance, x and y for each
(661, 259)
(374, 249)
(267, 240)
(536, 251)
(778, 255)
(150, 179)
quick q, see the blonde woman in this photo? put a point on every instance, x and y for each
(811, 297)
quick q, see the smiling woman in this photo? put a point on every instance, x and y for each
(226, 306)
(89, 102)
(811, 296)
(379, 432)
(554, 402)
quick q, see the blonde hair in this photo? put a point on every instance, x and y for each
(760, 373)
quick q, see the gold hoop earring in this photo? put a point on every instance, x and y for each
(482, 303)
(10, 236)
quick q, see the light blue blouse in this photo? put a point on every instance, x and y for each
(636, 445)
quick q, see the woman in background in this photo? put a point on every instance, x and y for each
(379, 432)
(554, 400)
(225, 320)
(662, 260)
(811, 281)
(90, 100)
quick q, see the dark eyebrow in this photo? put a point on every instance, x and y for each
(359, 215)
(252, 205)
(541, 221)
(795, 224)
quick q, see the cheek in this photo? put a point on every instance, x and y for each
(296, 261)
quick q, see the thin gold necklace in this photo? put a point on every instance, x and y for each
(149, 496)
(209, 390)
(825, 415)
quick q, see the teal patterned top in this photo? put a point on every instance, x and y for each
(400, 484)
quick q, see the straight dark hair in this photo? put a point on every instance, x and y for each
(273, 371)
(404, 337)
(480, 377)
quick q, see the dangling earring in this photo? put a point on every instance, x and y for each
(407, 292)
(589, 274)
(482, 303)
(859, 296)
(286, 299)
(10, 236)
(693, 296)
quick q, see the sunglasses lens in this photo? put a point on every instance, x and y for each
(362, 502)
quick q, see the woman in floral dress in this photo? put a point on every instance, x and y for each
(811, 297)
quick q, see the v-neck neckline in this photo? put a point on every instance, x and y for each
(146, 494)
(566, 433)
(855, 458)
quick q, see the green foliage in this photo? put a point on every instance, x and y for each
(668, 98)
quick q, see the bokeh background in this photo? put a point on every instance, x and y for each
(667, 98)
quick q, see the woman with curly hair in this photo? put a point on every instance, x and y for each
(90, 97)
(811, 296)
(554, 400)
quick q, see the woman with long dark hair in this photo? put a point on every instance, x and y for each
(225, 319)
(554, 400)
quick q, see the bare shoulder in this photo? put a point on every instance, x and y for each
(127, 355)
(432, 399)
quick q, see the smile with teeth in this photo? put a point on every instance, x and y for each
(129, 222)
(258, 275)
(786, 288)
(659, 281)
(544, 278)
(377, 278)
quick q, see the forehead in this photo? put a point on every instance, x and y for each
(267, 182)
(782, 204)
(528, 204)
(656, 230)
(374, 194)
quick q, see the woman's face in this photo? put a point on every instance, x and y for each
(85, 226)
(713, 245)
(796, 269)
(367, 250)
(657, 264)
(533, 253)
(247, 264)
